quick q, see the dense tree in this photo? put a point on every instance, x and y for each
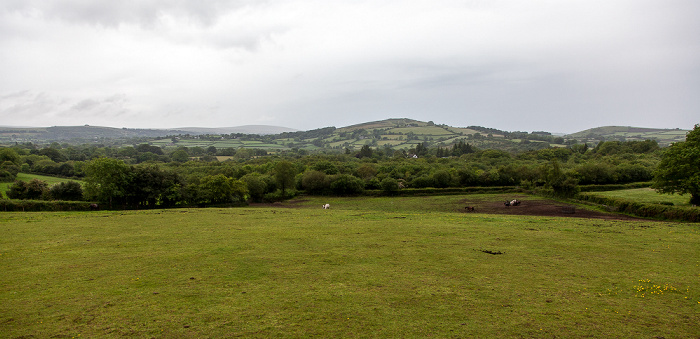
(345, 184)
(365, 152)
(255, 185)
(34, 189)
(220, 189)
(679, 169)
(284, 174)
(107, 180)
(68, 190)
(390, 186)
(314, 181)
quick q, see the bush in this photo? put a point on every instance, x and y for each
(33, 189)
(314, 181)
(390, 186)
(345, 184)
(70, 190)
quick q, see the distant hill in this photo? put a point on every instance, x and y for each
(395, 134)
(246, 129)
(89, 133)
(626, 133)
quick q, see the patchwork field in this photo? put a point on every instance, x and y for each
(367, 267)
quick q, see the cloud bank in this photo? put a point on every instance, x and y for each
(512, 65)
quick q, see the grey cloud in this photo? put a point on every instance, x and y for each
(113, 13)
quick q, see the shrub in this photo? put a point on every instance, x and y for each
(69, 190)
(390, 186)
(345, 184)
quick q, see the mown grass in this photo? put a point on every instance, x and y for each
(646, 195)
(368, 267)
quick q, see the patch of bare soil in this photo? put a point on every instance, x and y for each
(540, 207)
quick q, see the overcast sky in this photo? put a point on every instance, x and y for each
(553, 65)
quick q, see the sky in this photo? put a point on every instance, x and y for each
(541, 65)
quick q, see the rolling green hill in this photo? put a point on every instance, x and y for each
(399, 134)
(626, 133)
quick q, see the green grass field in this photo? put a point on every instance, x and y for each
(646, 195)
(368, 267)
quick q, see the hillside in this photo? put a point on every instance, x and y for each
(627, 133)
(399, 134)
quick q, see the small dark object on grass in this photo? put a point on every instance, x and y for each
(470, 209)
(492, 252)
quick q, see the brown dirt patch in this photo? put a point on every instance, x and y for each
(539, 207)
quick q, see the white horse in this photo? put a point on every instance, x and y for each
(326, 206)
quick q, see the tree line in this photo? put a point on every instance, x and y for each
(120, 177)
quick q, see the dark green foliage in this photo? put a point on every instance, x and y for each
(442, 179)
(39, 205)
(9, 154)
(180, 155)
(32, 190)
(146, 148)
(326, 167)
(390, 186)
(69, 190)
(679, 169)
(255, 185)
(365, 152)
(314, 182)
(107, 181)
(219, 189)
(345, 184)
(284, 175)
(461, 148)
(8, 171)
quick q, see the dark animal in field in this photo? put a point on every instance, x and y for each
(470, 209)
(507, 203)
(94, 207)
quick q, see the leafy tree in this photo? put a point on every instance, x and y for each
(180, 155)
(365, 152)
(8, 171)
(255, 185)
(217, 189)
(107, 180)
(561, 183)
(33, 189)
(390, 186)
(150, 186)
(679, 169)
(9, 154)
(314, 181)
(345, 184)
(68, 190)
(442, 179)
(284, 175)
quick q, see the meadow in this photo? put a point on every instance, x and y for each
(368, 267)
(647, 195)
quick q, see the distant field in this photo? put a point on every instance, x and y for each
(368, 267)
(647, 195)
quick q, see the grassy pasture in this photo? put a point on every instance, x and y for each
(646, 195)
(368, 267)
